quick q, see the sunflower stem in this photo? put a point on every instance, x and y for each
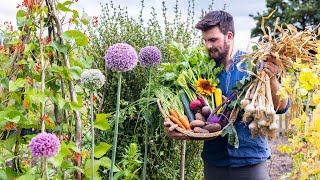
(115, 138)
(92, 135)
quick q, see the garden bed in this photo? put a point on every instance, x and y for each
(279, 163)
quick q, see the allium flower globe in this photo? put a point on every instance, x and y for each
(121, 57)
(92, 79)
(149, 56)
(44, 145)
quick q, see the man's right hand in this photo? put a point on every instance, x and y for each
(172, 133)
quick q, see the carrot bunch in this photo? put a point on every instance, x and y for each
(173, 107)
(181, 120)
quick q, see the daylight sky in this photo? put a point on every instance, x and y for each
(239, 9)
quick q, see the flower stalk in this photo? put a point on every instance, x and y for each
(92, 134)
(116, 124)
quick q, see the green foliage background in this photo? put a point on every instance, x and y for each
(301, 13)
(117, 26)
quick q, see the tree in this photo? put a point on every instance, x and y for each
(301, 13)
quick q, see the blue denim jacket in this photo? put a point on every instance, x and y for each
(218, 152)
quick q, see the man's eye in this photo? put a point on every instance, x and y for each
(212, 40)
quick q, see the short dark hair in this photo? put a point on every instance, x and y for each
(221, 19)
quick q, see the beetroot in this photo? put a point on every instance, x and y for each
(203, 102)
(205, 111)
(195, 105)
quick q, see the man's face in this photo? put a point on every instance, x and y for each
(217, 43)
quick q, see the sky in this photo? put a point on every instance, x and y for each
(239, 9)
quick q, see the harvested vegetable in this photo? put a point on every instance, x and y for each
(185, 121)
(218, 98)
(212, 127)
(197, 123)
(177, 121)
(200, 130)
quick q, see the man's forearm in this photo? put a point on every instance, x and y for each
(279, 104)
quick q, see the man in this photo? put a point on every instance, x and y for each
(221, 160)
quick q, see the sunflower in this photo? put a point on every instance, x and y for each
(205, 87)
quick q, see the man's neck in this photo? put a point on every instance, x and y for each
(227, 62)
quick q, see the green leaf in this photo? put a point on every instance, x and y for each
(101, 149)
(232, 135)
(88, 169)
(3, 175)
(27, 176)
(59, 100)
(63, 7)
(56, 45)
(74, 147)
(67, 3)
(64, 150)
(21, 17)
(79, 37)
(57, 160)
(76, 106)
(21, 21)
(23, 61)
(13, 86)
(107, 164)
(5, 82)
(101, 121)
(13, 120)
(85, 19)
(28, 48)
(75, 72)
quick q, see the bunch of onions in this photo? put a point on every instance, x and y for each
(258, 107)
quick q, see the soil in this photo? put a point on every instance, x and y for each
(279, 164)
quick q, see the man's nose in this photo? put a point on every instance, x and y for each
(208, 45)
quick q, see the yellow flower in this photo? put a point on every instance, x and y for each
(205, 87)
(85, 153)
(308, 79)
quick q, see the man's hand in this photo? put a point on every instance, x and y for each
(272, 68)
(172, 133)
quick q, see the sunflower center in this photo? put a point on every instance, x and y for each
(206, 85)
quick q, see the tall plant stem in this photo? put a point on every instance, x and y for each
(115, 137)
(144, 170)
(45, 169)
(183, 158)
(92, 134)
(53, 12)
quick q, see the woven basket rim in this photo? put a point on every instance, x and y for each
(190, 133)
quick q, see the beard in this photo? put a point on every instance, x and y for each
(217, 56)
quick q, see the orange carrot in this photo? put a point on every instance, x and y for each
(174, 113)
(175, 120)
(185, 121)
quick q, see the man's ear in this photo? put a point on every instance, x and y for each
(229, 36)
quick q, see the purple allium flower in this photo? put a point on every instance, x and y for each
(92, 79)
(121, 57)
(44, 145)
(149, 56)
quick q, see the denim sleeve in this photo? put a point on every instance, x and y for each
(282, 111)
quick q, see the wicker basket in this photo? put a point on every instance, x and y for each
(190, 133)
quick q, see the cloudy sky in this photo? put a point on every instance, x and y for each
(239, 9)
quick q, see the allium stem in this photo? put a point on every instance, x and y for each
(115, 137)
(92, 134)
(45, 168)
(144, 170)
